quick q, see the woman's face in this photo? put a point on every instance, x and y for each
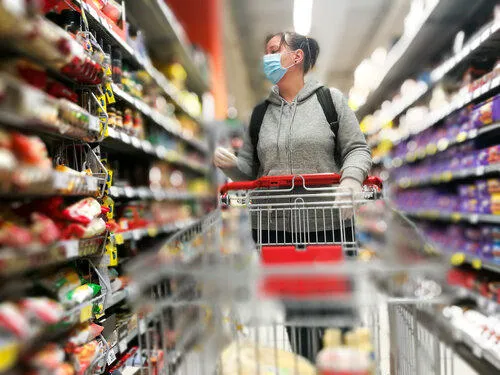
(288, 57)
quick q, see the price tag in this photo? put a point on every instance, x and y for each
(474, 218)
(71, 248)
(94, 124)
(111, 357)
(477, 264)
(119, 239)
(480, 171)
(147, 146)
(123, 345)
(112, 133)
(446, 176)
(457, 259)
(456, 217)
(152, 231)
(125, 138)
(136, 142)
(86, 313)
(461, 137)
(136, 234)
(142, 325)
(91, 183)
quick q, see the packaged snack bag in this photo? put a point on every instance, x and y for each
(13, 321)
(61, 283)
(84, 334)
(83, 356)
(42, 309)
(83, 211)
(81, 294)
(49, 358)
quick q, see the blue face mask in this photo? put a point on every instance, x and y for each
(273, 69)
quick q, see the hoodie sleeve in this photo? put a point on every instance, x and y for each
(244, 170)
(354, 151)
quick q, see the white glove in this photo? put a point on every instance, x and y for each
(223, 158)
(349, 185)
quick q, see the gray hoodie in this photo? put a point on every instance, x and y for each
(296, 138)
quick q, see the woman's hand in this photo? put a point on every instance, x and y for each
(224, 159)
(349, 185)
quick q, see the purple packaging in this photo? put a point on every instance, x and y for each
(486, 113)
(484, 206)
(467, 191)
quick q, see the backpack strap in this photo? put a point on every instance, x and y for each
(324, 96)
(254, 129)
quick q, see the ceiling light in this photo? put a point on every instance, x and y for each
(302, 14)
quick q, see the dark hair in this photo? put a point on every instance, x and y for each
(297, 41)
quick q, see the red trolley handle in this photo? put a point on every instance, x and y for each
(295, 180)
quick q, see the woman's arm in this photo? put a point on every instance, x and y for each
(243, 170)
(354, 151)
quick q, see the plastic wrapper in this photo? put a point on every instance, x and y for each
(30, 150)
(13, 321)
(84, 334)
(83, 211)
(42, 309)
(81, 294)
(83, 356)
(245, 358)
(93, 228)
(49, 358)
(62, 283)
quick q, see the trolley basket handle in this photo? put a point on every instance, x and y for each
(295, 180)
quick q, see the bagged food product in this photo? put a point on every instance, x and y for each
(42, 309)
(44, 229)
(81, 294)
(13, 321)
(83, 356)
(83, 211)
(84, 333)
(343, 360)
(15, 236)
(31, 150)
(93, 228)
(64, 369)
(49, 358)
(61, 283)
(245, 358)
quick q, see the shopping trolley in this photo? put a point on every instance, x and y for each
(212, 304)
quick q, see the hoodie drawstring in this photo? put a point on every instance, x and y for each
(279, 129)
(290, 128)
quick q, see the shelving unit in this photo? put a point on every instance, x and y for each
(415, 50)
(433, 160)
(71, 204)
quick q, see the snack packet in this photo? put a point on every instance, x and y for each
(82, 293)
(13, 321)
(84, 333)
(83, 356)
(42, 309)
(62, 282)
(83, 211)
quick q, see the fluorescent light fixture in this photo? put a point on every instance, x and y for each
(302, 14)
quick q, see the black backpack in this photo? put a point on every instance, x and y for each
(325, 99)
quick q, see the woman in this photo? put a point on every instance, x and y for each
(295, 136)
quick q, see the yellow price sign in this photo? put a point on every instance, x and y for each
(119, 239)
(431, 149)
(456, 217)
(86, 313)
(477, 264)
(457, 259)
(446, 176)
(461, 137)
(152, 231)
(9, 352)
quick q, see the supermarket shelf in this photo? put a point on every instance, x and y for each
(486, 305)
(161, 120)
(151, 231)
(116, 298)
(162, 29)
(123, 142)
(432, 149)
(16, 261)
(130, 55)
(448, 176)
(455, 217)
(479, 94)
(51, 183)
(434, 322)
(437, 29)
(156, 194)
(488, 39)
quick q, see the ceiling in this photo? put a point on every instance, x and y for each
(347, 31)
